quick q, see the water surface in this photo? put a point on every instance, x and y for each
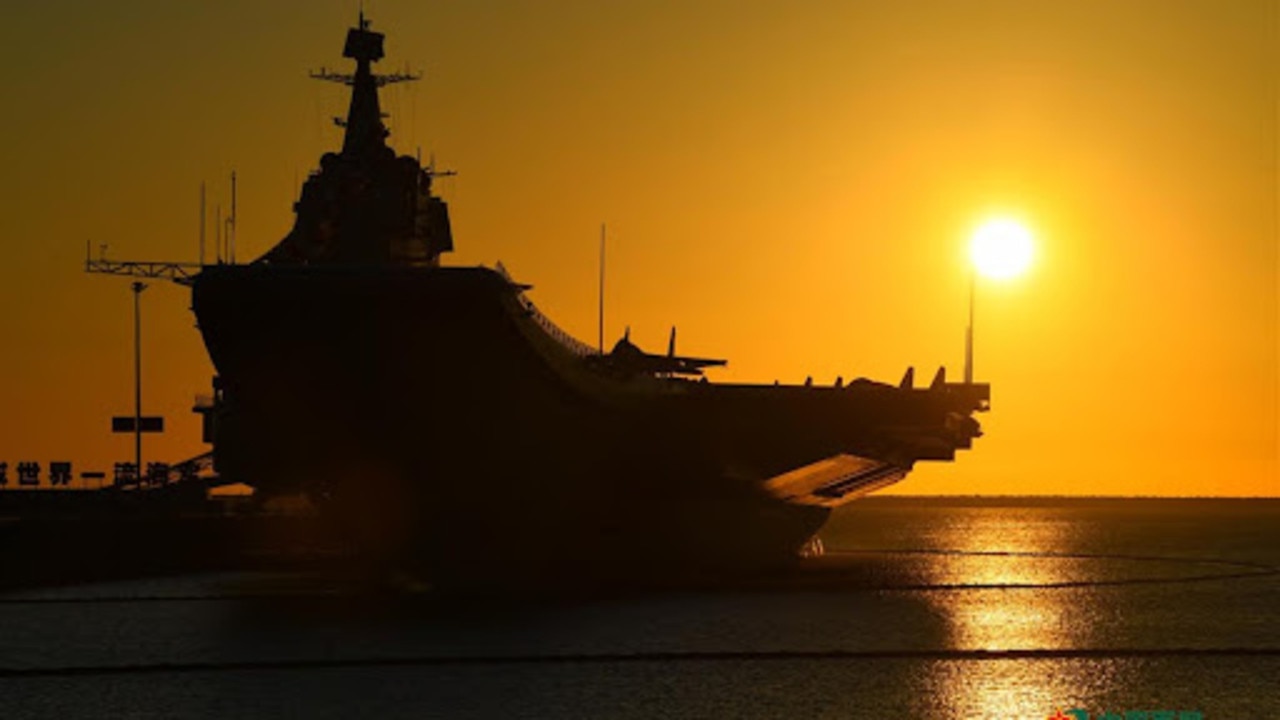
(923, 608)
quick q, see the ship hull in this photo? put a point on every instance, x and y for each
(428, 410)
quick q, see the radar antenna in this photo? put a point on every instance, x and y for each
(349, 79)
(433, 173)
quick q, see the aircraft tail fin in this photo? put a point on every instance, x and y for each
(939, 380)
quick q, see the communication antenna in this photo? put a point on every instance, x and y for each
(600, 329)
(231, 236)
(202, 222)
(413, 114)
(217, 233)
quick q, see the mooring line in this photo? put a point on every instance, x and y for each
(1242, 569)
(99, 599)
(1239, 570)
(641, 657)
(1053, 555)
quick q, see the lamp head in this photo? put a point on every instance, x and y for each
(1001, 249)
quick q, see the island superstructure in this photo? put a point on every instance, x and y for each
(452, 425)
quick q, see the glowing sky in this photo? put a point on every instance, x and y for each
(792, 184)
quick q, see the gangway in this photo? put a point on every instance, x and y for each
(182, 273)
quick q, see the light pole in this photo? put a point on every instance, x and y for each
(968, 333)
(138, 287)
(600, 329)
(999, 249)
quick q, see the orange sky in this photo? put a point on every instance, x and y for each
(792, 184)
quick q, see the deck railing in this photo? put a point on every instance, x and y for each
(570, 343)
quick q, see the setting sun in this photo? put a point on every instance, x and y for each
(1001, 249)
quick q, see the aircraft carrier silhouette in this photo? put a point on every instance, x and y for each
(454, 427)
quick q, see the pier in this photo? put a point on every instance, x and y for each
(28, 487)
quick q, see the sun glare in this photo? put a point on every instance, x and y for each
(1001, 249)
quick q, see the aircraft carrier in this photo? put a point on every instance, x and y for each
(453, 427)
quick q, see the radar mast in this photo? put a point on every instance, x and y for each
(365, 132)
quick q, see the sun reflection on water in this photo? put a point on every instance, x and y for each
(993, 567)
(1021, 689)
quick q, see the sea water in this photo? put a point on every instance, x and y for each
(922, 608)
